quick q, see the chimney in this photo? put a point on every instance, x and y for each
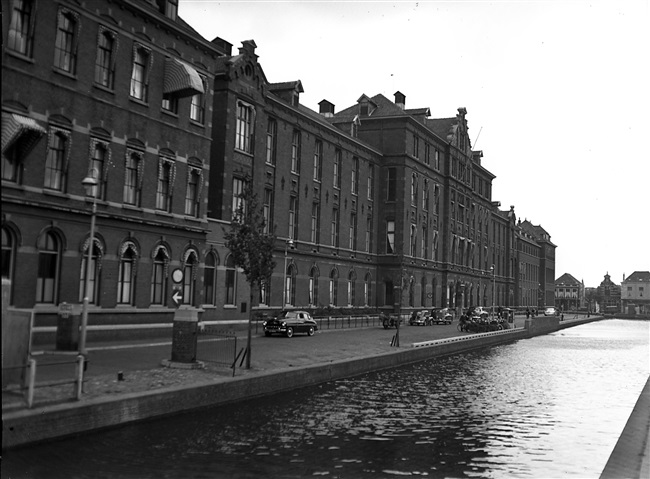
(248, 46)
(400, 99)
(326, 109)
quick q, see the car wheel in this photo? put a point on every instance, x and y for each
(310, 331)
(289, 332)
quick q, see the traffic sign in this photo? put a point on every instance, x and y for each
(177, 297)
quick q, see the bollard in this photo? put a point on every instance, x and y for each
(31, 364)
(120, 376)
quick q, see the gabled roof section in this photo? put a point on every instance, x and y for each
(567, 280)
(638, 277)
(245, 63)
(443, 127)
(536, 231)
(383, 108)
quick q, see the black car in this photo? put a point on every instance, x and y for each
(290, 322)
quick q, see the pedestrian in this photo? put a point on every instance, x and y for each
(527, 313)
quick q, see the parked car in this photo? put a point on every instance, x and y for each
(550, 311)
(442, 316)
(289, 323)
(420, 319)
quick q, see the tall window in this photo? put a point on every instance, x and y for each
(353, 230)
(337, 169)
(334, 239)
(231, 282)
(126, 276)
(414, 189)
(355, 175)
(425, 195)
(55, 162)
(21, 28)
(47, 280)
(391, 187)
(295, 151)
(334, 287)
(65, 44)
(238, 186)
(210, 279)
(244, 127)
(315, 223)
(132, 178)
(166, 170)
(190, 265)
(197, 105)
(290, 285)
(436, 159)
(159, 276)
(414, 238)
(367, 290)
(267, 210)
(390, 237)
(351, 289)
(93, 279)
(97, 165)
(416, 146)
(318, 160)
(170, 103)
(424, 241)
(8, 254)
(140, 73)
(427, 156)
(371, 181)
(105, 63)
(192, 193)
(271, 141)
(368, 241)
(11, 165)
(293, 217)
(313, 286)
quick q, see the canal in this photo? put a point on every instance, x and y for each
(550, 406)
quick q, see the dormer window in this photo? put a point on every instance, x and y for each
(169, 8)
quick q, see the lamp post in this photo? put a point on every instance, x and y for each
(90, 183)
(287, 244)
(494, 282)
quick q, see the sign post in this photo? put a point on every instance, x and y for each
(185, 329)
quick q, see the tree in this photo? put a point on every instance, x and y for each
(251, 249)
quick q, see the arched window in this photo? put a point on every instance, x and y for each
(47, 280)
(159, 275)
(367, 290)
(126, 279)
(95, 266)
(190, 265)
(351, 288)
(290, 285)
(334, 287)
(210, 279)
(423, 291)
(313, 286)
(231, 281)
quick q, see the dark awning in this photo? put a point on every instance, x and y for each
(21, 128)
(181, 80)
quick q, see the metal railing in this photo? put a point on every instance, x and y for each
(217, 347)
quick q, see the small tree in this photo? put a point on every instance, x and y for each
(251, 249)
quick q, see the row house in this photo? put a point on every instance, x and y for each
(118, 90)
(635, 293)
(608, 296)
(536, 259)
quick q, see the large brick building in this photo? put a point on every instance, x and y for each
(376, 205)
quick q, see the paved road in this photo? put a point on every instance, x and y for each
(268, 353)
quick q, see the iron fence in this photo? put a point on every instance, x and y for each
(217, 347)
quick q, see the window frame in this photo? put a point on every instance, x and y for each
(66, 41)
(25, 34)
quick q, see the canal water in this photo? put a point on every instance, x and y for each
(551, 406)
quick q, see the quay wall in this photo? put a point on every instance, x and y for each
(29, 426)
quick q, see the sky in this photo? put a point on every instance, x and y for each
(556, 92)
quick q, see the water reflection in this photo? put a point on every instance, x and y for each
(551, 406)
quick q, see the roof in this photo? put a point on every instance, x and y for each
(384, 107)
(638, 277)
(567, 280)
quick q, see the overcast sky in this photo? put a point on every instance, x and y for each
(556, 92)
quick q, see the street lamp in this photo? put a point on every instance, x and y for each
(494, 281)
(287, 245)
(90, 183)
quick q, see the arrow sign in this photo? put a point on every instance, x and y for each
(177, 297)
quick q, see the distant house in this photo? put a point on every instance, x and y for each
(569, 293)
(608, 296)
(635, 293)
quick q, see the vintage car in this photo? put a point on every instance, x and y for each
(289, 323)
(442, 316)
(551, 311)
(420, 319)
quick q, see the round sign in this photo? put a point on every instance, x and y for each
(177, 275)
